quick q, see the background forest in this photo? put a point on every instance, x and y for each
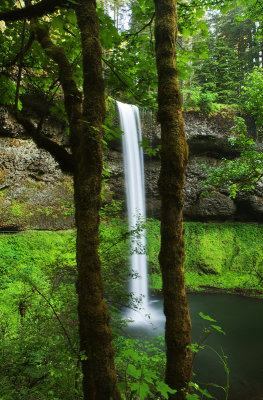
(220, 69)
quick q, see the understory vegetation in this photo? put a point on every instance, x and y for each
(38, 318)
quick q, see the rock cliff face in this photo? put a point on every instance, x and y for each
(35, 194)
(208, 143)
(33, 191)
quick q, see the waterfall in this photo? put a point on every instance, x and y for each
(135, 196)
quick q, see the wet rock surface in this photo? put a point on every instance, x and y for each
(34, 193)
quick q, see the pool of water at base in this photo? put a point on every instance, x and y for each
(242, 320)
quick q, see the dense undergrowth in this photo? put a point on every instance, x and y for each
(38, 310)
(38, 307)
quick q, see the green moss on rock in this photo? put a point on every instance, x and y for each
(224, 256)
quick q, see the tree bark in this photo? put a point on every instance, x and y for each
(44, 7)
(85, 120)
(174, 154)
(99, 382)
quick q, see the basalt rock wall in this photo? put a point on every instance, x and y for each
(207, 138)
(35, 194)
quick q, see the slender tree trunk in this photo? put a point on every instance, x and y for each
(174, 155)
(99, 376)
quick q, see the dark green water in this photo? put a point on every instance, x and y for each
(242, 320)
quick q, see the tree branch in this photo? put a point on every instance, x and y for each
(142, 29)
(112, 68)
(72, 96)
(200, 4)
(63, 158)
(20, 66)
(34, 11)
(18, 55)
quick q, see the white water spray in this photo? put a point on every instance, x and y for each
(135, 194)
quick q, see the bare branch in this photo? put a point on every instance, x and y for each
(200, 4)
(142, 29)
(63, 158)
(20, 67)
(18, 55)
(72, 96)
(56, 315)
(34, 11)
(113, 69)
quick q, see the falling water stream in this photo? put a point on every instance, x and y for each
(240, 317)
(135, 196)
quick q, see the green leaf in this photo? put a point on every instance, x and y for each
(133, 371)
(218, 328)
(141, 389)
(192, 396)
(206, 317)
(164, 389)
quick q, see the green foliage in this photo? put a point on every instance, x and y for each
(141, 367)
(199, 393)
(226, 256)
(114, 250)
(206, 102)
(202, 100)
(208, 329)
(109, 35)
(233, 49)
(37, 280)
(8, 91)
(242, 173)
(252, 95)
(38, 309)
(149, 149)
(38, 276)
(224, 361)
(211, 326)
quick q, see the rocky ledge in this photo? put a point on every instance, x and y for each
(35, 194)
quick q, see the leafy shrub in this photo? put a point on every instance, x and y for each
(207, 102)
(240, 174)
(252, 95)
(204, 100)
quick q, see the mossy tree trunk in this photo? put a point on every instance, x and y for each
(86, 112)
(100, 379)
(174, 155)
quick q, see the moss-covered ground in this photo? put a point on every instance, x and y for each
(218, 257)
(38, 299)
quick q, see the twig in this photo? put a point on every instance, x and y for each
(18, 55)
(56, 315)
(20, 67)
(142, 29)
(112, 68)
(195, 4)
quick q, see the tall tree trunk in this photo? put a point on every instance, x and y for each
(85, 120)
(174, 155)
(99, 377)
